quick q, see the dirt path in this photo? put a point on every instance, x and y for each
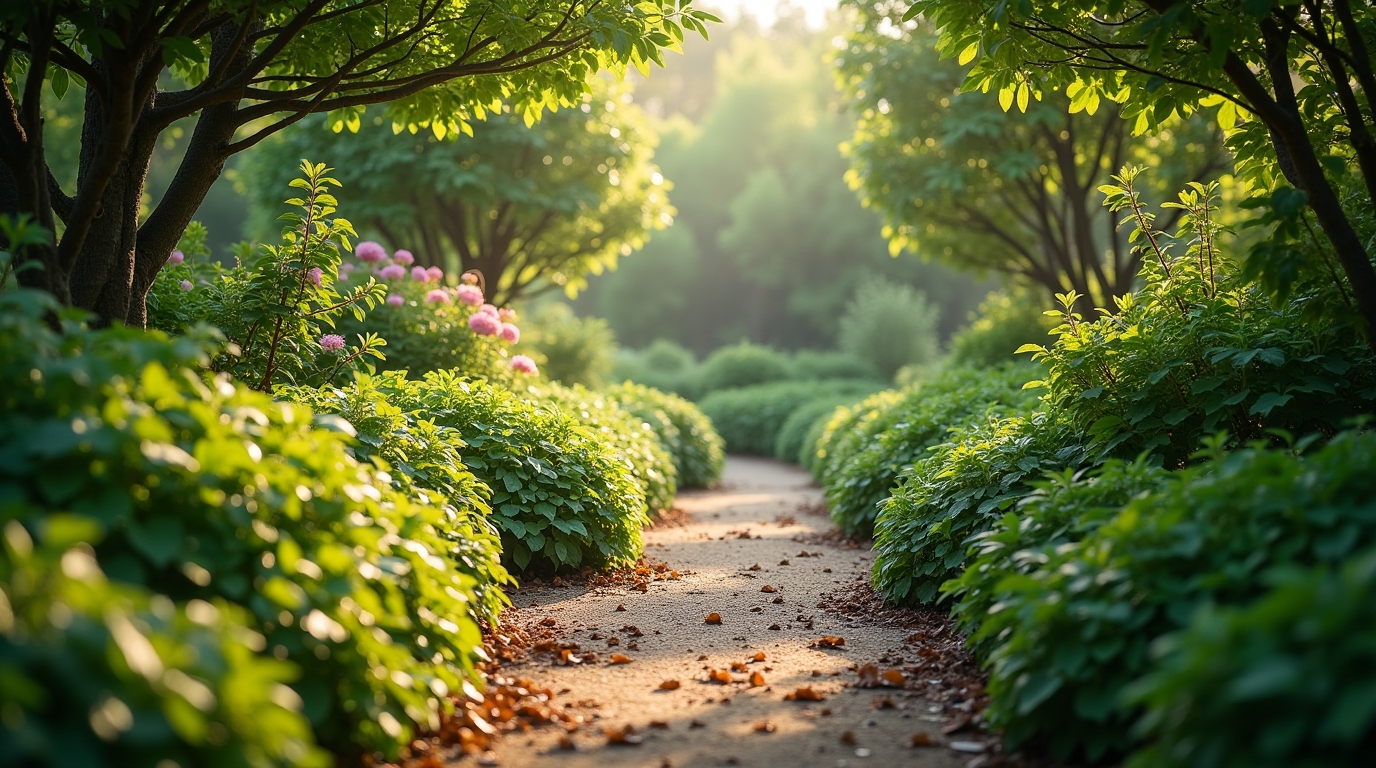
(706, 723)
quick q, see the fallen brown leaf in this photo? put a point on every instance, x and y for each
(718, 676)
(669, 685)
(759, 656)
(620, 658)
(756, 679)
(754, 567)
(767, 588)
(923, 739)
(548, 623)
(894, 677)
(774, 626)
(764, 726)
(620, 607)
(565, 742)
(613, 640)
(713, 618)
(847, 737)
(660, 724)
(804, 693)
(625, 735)
(737, 666)
(778, 600)
(830, 641)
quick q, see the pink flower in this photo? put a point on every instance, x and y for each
(469, 278)
(470, 295)
(331, 342)
(420, 275)
(507, 315)
(491, 310)
(524, 364)
(186, 285)
(437, 295)
(176, 258)
(314, 275)
(393, 272)
(370, 251)
(484, 324)
(511, 333)
(404, 258)
(395, 300)
(435, 273)
(346, 267)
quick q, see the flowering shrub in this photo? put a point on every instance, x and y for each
(561, 497)
(197, 489)
(899, 434)
(698, 451)
(277, 306)
(633, 439)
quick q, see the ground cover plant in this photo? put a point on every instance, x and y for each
(196, 488)
(749, 418)
(699, 452)
(899, 435)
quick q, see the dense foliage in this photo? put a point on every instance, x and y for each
(573, 350)
(1004, 323)
(749, 418)
(699, 452)
(741, 365)
(889, 327)
(197, 489)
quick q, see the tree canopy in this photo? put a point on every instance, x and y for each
(533, 207)
(249, 68)
(959, 179)
(1291, 81)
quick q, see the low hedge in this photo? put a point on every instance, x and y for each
(749, 418)
(634, 439)
(901, 433)
(699, 452)
(792, 443)
(1074, 633)
(561, 496)
(196, 489)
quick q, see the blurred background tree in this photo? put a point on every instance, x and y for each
(533, 207)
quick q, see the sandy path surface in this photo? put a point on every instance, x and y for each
(705, 723)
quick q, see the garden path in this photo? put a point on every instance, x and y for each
(711, 724)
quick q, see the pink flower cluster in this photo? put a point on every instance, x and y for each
(392, 272)
(331, 342)
(370, 252)
(523, 364)
(176, 258)
(485, 323)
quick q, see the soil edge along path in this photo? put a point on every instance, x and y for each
(764, 513)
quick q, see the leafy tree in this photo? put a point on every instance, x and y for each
(532, 207)
(250, 68)
(961, 180)
(1292, 81)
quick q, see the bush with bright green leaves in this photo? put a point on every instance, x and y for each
(839, 436)
(805, 423)
(632, 438)
(1284, 682)
(562, 498)
(196, 488)
(741, 365)
(573, 350)
(279, 305)
(423, 458)
(813, 364)
(961, 490)
(699, 452)
(1071, 635)
(110, 675)
(664, 365)
(1061, 509)
(749, 418)
(901, 434)
(1199, 350)
(1005, 322)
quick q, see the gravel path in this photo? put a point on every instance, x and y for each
(772, 610)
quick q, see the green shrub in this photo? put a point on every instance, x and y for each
(634, 439)
(749, 418)
(1199, 350)
(423, 458)
(198, 489)
(810, 364)
(664, 365)
(561, 497)
(1072, 634)
(791, 443)
(1005, 322)
(741, 365)
(962, 490)
(699, 452)
(575, 350)
(1060, 510)
(102, 674)
(1285, 682)
(899, 435)
(840, 436)
(890, 326)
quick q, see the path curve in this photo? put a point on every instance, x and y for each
(703, 729)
